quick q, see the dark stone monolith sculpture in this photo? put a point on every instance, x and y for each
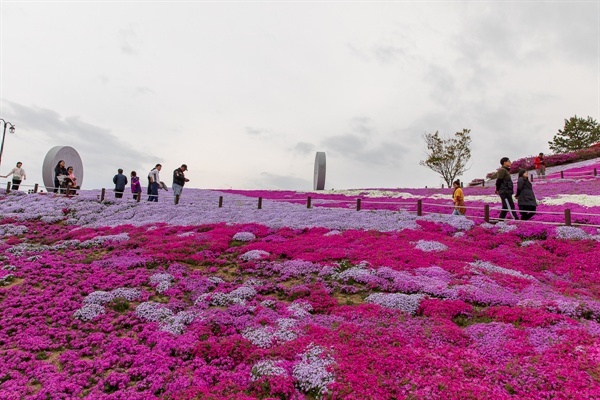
(319, 180)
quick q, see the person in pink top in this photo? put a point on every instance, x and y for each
(71, 180)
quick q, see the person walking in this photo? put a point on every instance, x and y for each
(504, 188)
(540, 165)
(179, 180)
(18, 174)
(525, 196)
(153, 183)
(136, 186)
(458, 197)
(120, 182)
(60, 172)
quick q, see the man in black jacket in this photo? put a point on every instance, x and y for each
(504, 187)
(179, 180)
(120, 182)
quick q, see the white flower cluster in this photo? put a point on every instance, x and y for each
(220, 299)
(265, 336)
(254, 255)
(312, 373)
(571, 232)
(494, 268)
(268, 303)
(215, 280)
(408, 303)
(253, 282)
(244, 236)
(430, 245)
(153, 311)
(186, 234)
(300, 308)
(89, 312)
(6, 279)
(163, 281)
(527, 243)
(358, 273)
(177, 323)
(100, 240)
(266, 368)
(12, 230)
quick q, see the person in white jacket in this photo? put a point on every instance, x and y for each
(18, 174)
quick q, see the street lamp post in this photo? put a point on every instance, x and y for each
(12, 130)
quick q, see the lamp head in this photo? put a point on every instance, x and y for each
(12, 129)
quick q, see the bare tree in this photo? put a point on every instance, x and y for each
(448, 156)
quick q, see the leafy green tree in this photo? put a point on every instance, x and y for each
(448, 156)
(578, 133)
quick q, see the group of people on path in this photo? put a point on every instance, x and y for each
(505, 189)
(154, 183)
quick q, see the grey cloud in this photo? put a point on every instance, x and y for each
(304, 148)
(388, 54)
(348, 144)
(282, 182)
(254, 131)
(444, 90)
(125, 37)
(356, 52)
(528, 32)
(362, 125)
(102, 152)
(142, 90)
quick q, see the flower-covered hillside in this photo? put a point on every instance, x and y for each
(401, 307)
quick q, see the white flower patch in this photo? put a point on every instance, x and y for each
(254, 255)
(527, 243)
(312, 372)
(586, 200)
(12, 230)
(430, 245)
(300, 308)
(163, 281)
(408, 303)
(177, 323)
(571, 232)
(487, 266)
(244, 236)
(220, 299)
(89, 312)
(266, 368)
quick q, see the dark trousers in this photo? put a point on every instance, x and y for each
(119, 193)
(153, 192)
(15, 184)
(507, 204)
(527, 212)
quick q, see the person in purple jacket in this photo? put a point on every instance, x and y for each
(136, 186)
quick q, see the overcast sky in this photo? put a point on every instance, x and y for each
(246, 93)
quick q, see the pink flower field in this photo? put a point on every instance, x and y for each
(127, 300)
